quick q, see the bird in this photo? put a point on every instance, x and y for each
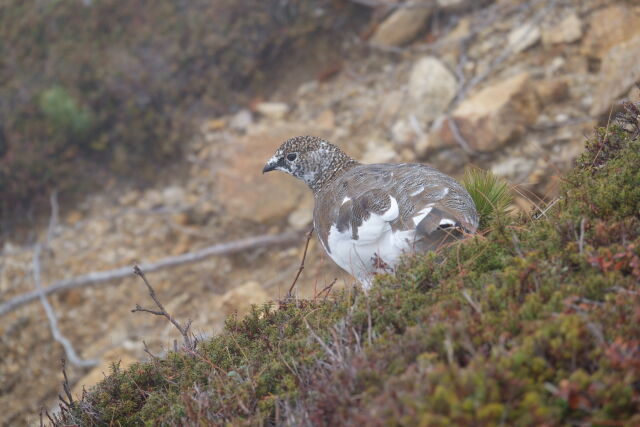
(367, 216)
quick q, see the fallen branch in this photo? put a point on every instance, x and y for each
(53, 320)
(96, 278)
(189, 342)
(51, 314)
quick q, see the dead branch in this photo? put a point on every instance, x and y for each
(53, 320)
(476, 307)
(51, 315)
(99, 277)
(543, 212)
(326, 289)
(581, 240)
(304, 256)
(65, 383)
(189, 342)
(457, 135)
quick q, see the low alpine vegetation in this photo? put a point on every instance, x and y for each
(490, 194)
(536, 322)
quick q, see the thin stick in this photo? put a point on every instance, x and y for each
(53, 320)
(326, 289)
(544, 212)
(65, 383)
(457, 135)
(471, 302)
(604, 140)
(99, 277)
(304, 256)
(184, 330)
(581, 240)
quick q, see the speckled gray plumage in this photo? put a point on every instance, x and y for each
(422, 201)
(318, 160)
(363, 182)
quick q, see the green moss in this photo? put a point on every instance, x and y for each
(534, 323)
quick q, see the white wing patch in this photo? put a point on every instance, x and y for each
(377, 249)
(392, 212)
(422, 214)
(345, 200)
(447, 221)
(418, 191)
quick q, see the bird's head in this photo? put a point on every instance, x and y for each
(308, 158)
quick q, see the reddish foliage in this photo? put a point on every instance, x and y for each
(626, 261)
(624, 354)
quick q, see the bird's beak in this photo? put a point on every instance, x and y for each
(272, 164)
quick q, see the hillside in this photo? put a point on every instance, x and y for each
(187, 100)
(534, 322)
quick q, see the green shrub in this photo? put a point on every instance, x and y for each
(63, 112)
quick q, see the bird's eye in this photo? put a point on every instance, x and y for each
(291, 156)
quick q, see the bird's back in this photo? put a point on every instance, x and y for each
(370, 215)
(365, 189)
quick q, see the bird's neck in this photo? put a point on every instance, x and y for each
(339, 164)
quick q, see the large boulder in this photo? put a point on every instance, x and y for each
(244, 192)
(492, 116)
(432, 87)
(609, 27)
(620, 70)
(402, 25)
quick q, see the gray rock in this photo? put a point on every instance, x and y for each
(523, 37)
(241, 120)
(403, 25)
(568, 30)
(515, 169)
(273, 110)
(494, 115)
(432, 87)
(608, 27)
(620, 70)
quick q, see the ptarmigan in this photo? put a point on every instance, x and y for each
(367, 216)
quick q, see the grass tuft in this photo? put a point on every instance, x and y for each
(490, 194)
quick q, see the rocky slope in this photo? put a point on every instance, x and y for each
(508, 86)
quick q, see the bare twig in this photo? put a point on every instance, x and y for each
(40, 293)
(604, 139)
(581, 240)
(65, 382)
(516, 245)
(320, 341)
(146, 350)
(49, 416)
(99, 277)
(304, 256)
(543, 212)
(53, 320)
(457, 135)
(326, 289)
(472, 302)
(189, 342)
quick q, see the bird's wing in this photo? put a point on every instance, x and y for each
(367, 215)
(371, 199)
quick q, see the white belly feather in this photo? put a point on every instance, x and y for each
(377, 248)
